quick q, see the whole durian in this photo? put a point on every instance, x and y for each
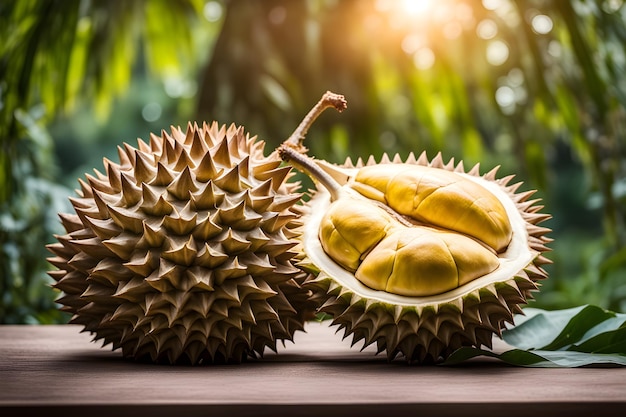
(182, 252)
(418, 256)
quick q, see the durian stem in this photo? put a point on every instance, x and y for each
(307, 165)
(329, 99)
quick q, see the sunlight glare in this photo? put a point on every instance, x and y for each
(406, 9)
(416, 8)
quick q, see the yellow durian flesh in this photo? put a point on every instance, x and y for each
(349, 229)
(387, 255)
(439, 198)
(422, 261)
(520, 251)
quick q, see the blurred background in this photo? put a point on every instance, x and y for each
(535, 86)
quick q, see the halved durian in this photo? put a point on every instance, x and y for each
(417, 256)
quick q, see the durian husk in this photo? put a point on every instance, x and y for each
(425, 329)
(182, 251)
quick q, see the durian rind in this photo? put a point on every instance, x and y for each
(427, 329)
(181, 252)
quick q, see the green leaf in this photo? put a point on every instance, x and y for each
(554, 330)
(583, 336)
(607, 337)
(539, 358)
(567, 359)
(539, 328)
(515, 357)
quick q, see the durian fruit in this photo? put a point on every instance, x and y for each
(419, 257)
(182, 252)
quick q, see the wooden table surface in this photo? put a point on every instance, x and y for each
(58, 371)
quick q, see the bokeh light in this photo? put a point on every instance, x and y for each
(497, 52)
(424, 58)
(487, 29)
(213, 11)
(541, 24)
(151, 112)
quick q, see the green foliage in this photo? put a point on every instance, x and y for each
(535, 86)
(28, 221)
(583, 336)
(55, 54)
(54, 51)
(81, 142)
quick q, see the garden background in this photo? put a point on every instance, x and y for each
(535, 86)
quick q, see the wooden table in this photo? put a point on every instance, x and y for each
(57, 371)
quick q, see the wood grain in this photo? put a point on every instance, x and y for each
(56, 370)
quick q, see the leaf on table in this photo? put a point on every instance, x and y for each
(555, 330)
(582, 336)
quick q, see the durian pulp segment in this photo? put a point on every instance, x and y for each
(439, 198)
(516, 257)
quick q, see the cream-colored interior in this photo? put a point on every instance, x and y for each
(517, 256)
